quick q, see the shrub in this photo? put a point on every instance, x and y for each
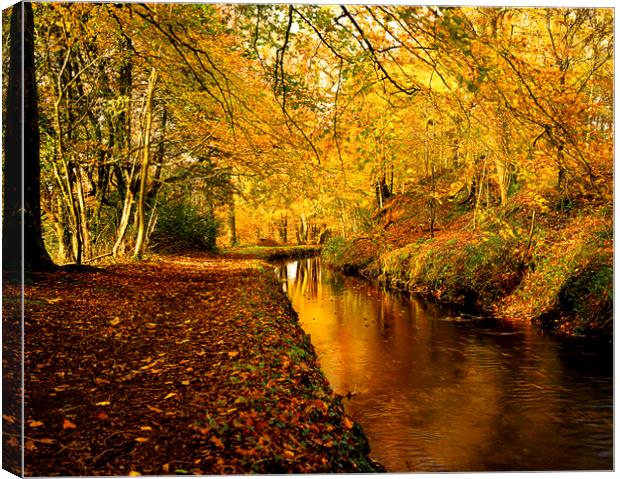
(182, 227)
(333, 250)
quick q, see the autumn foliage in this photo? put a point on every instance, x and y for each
(296, 123)
(174, 366)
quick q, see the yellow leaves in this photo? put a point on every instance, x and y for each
(142, 439)
(233, 354)
(185, 383)
(155, 409)
(146, 428)
(115, 321)
(35, 423)
(170, 395)
(150, 365)
(102, 403)
(289, 454)
(54, 300)
(134, 473)
(541, 203)
(66, 424)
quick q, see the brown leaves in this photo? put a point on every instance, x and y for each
(228, 374)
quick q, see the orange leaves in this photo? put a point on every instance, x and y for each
(348, 424)
(66, 424)
(210, 392)
(217, 441)
(8, 418)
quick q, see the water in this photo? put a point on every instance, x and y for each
(435, 391)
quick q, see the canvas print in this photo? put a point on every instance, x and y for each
(306, 238)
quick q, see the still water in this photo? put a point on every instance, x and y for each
(435, 391)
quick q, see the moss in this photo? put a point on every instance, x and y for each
(584, 303)
(560, 275)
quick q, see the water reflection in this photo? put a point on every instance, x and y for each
(439, 392)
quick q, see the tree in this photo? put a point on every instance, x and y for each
(24, 142)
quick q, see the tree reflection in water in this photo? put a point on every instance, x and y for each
(436, 391)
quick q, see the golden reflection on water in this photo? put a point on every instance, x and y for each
(437, 392)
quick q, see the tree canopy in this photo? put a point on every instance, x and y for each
(297, 122)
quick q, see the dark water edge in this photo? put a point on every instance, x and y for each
(436, 390)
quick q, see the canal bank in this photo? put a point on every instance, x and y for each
(436, 390)
(177, 365)
(551, 266)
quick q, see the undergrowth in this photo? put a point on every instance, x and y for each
(555, 270)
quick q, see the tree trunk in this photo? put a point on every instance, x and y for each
(231, 220)
(146, 159)
(24, 141)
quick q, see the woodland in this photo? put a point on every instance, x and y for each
(465, 153)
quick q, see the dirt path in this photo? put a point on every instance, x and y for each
(176, 365)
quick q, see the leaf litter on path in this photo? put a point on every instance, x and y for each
(194, 350)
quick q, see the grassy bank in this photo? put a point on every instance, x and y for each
(549, 264)
(177, 365)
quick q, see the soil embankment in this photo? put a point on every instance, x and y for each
(187, 364)
(545, 262)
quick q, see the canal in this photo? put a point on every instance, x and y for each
(435, 390)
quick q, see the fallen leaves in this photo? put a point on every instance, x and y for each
(348, 424)
(217, 441)
(66, 424)
(8, 418)
(214, 390)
